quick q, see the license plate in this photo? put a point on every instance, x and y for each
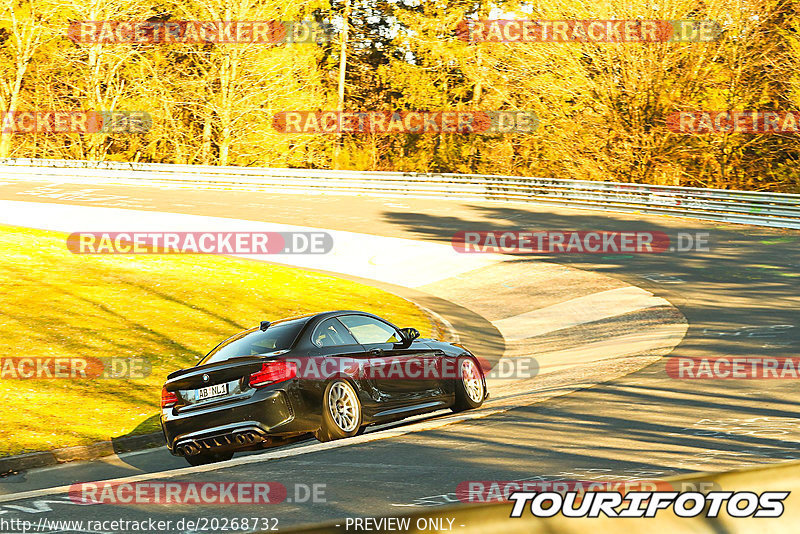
(212, 391)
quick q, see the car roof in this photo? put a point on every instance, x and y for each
(321, 316)
(336, 313)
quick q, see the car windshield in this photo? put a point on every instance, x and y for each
(279, 336)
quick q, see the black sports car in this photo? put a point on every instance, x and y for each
(330, 374)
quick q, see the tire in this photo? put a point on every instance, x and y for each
(469, 387)
(209, 458)
(341, 412)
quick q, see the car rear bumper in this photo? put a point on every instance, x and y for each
(221, 426)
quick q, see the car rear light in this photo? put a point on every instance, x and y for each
(272, 373)
(168, 398)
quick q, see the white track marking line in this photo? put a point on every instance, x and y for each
(613, 349)
(387, 259)
(577, 311)
(246, 460)
(360, 249)
(663, 338)
(666, 335)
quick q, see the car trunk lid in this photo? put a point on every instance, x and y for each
(216, 382)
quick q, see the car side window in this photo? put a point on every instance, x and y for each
(331, 333)
(368, 330)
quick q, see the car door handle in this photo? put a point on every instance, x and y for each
(376, 352)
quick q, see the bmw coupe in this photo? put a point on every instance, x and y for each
(329, 374)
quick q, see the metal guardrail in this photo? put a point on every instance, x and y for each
(744, 207)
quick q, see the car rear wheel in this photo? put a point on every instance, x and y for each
(341, 412)
(469, 387)
(209, 457)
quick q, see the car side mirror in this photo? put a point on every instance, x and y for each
(409, 335)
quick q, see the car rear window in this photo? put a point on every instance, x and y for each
(278, 336)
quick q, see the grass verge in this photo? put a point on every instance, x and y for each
(168, 309)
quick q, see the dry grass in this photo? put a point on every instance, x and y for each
(167, 309)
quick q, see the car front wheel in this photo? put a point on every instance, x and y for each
(341, 412)
(469, 387)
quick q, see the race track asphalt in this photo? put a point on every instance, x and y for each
(740, 298)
